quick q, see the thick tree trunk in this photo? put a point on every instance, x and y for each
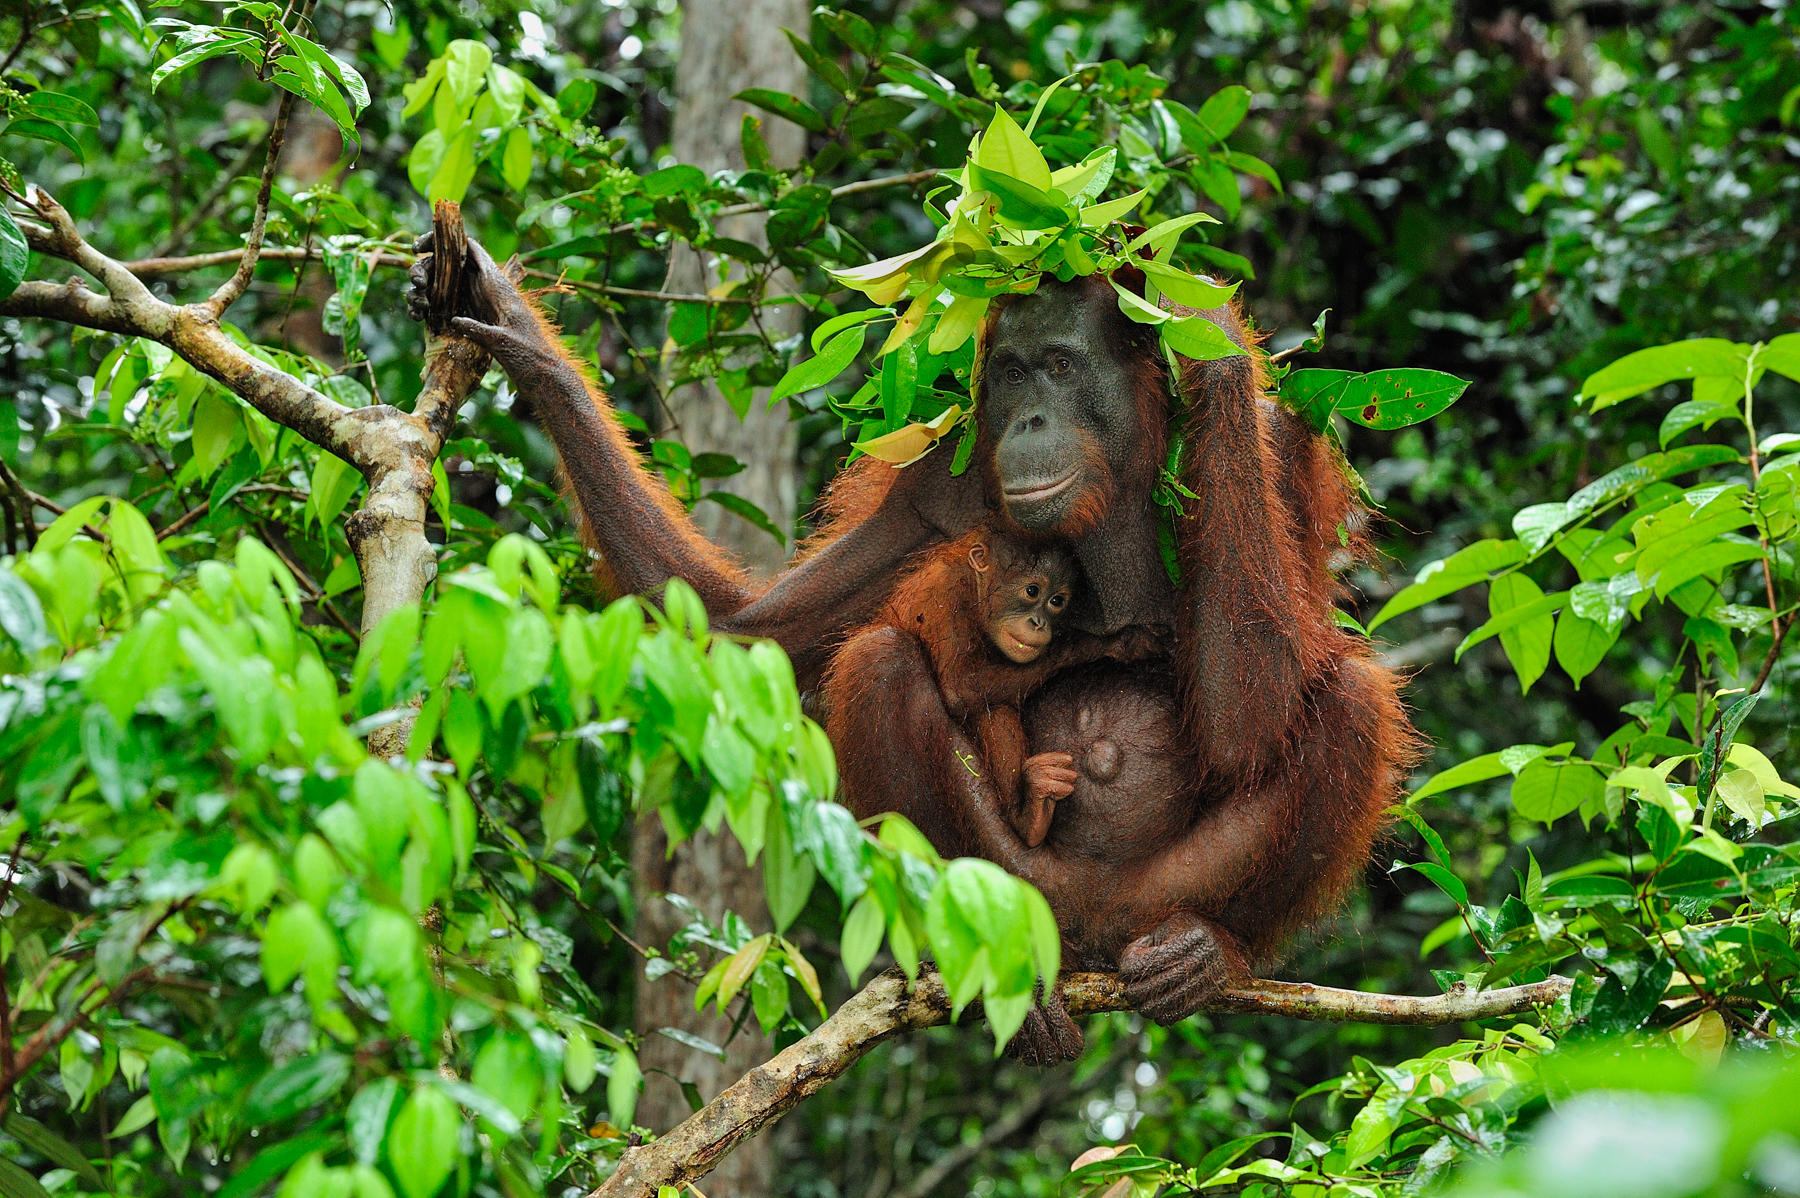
(726, 46)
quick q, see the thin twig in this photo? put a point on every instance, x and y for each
(229, 291)
(927, 1181)
(27, 27)
(745, 209)
(1781, 631)
(203, 207)
(206, 505)
(23, 499)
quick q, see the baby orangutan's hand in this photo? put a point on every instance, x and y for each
(1049, 777)
(1044, 779)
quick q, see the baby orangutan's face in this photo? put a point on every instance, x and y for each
(1023, 607)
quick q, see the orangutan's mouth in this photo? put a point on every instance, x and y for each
(1041, 491)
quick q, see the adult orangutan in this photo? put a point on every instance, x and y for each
(1236, 755)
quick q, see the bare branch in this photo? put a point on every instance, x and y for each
(150, 268)
(889, 1006)
(60, 238)
(229, 291)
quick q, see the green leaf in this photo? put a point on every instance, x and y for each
(55, 106)
(1437, 579)
(1390, 399)
(622, 1087)
(1782, 355)
(1476, 769)
(862, 936)
(15, 254)
(824, 366)
(787, 107)
(21, 614)
(218, 427)
(828, 71)
(52, 1147)
(515, 160)
(422, 1145)
(1098, 216)
(1199, 338)
(507, 1069)
(1018, 203)
(221, 41)
(289, 1089)
(1546, 790)
(16, 1183)
(1161, 236)
(135, 549)
(788, 875)
(1222, 113)
(45, 131)
(957, 324)
(1521, 615)
(366, 1118)
(1087, 179)
(296, 942)
(1581, 644)
(1538, 524)
(1637, 373)
(457, 170)
(576, 97)
(1185, 288)
(466, 64)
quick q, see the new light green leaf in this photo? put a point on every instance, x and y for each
(1008, 150)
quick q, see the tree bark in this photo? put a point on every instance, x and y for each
(726, 46)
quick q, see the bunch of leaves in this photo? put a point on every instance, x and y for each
(285, 56)
(349, 962)
(1005, 220)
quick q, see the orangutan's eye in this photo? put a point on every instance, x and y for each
(1031, 590)
(1014, 375)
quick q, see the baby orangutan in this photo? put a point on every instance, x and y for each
(984, 607)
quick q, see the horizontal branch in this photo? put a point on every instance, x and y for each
(889, 1006)
(156, 268)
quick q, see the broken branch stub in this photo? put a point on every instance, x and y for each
(449, 251)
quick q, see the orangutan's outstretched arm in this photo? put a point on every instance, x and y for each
(643, 534)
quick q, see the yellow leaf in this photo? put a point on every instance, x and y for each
(957, 324)
(908, 324)
(743, 963)
(1702, 1038)
(885, 281)
(906, 445)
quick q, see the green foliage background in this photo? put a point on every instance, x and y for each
(262, 960)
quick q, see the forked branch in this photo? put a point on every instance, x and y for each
(890, 1006)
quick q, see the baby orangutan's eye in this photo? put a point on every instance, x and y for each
(1031, 590)
(1056, 602)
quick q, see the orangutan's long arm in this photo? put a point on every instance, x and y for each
(643, 534)
(1254, 633)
